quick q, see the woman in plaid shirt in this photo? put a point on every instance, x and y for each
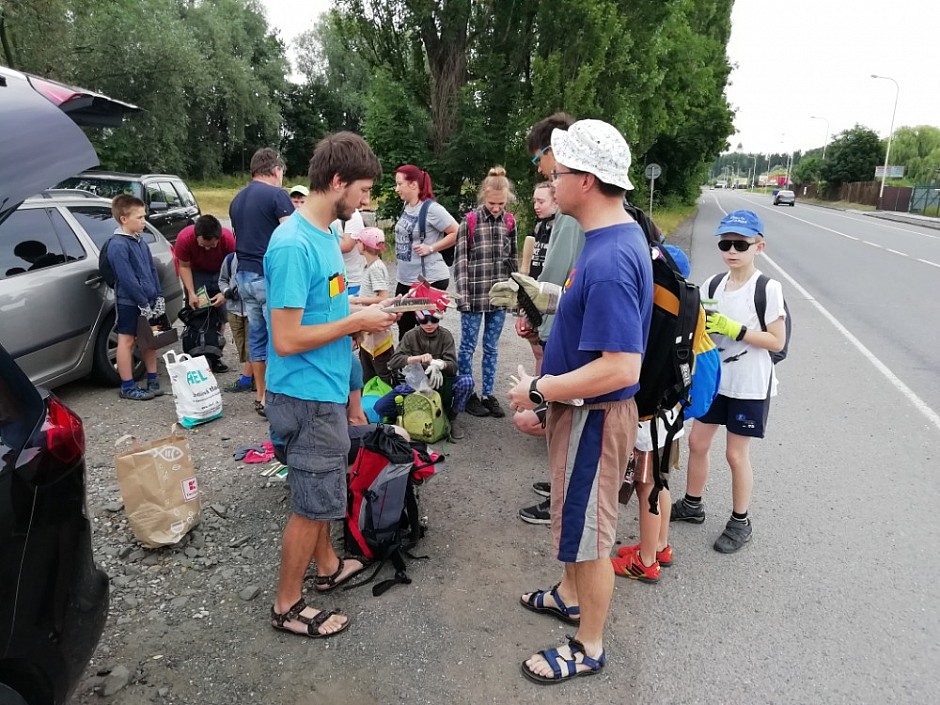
(485, 254)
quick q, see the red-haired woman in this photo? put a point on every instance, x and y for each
(417, 250)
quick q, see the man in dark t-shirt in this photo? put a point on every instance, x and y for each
(256, 211)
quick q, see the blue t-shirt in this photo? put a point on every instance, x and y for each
(255, 212)
(303, 268)
(606, 305)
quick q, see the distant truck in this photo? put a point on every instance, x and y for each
(721, 184)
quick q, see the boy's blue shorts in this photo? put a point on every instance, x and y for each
(127, 315)
(744, 417)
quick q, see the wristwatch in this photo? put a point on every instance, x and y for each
(535, 396)
(741, 334)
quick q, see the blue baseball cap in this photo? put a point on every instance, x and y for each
(746, 223)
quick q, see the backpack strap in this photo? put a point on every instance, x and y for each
(760, 300)
(422, 226)
(713, 283)
(661, 460)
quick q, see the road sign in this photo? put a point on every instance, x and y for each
(894, 172)
(653, 171)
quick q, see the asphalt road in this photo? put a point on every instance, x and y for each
(834, 601)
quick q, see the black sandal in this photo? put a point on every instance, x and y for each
(313, 623)
(259, 407)
(326, 583)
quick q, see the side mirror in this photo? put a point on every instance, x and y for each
(158, 206)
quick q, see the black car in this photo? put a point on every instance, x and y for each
(170, 204)
(53, 598)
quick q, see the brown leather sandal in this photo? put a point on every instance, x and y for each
(278, 621)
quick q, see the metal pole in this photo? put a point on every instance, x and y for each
(826, 143)
(652, 188)
(884, 174)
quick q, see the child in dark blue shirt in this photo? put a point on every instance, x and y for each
(138, 293)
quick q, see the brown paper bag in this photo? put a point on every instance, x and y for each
(159, 488)
(150, 339)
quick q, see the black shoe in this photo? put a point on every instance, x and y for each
(683, 511)
(543, 489)
(496, 411)
(538, 514)
(220, 368)
(736, 534)
(475, 407)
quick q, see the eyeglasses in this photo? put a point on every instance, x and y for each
(556, 173)
(739, 245)
(538, 155)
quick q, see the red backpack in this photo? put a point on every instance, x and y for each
(472, 225)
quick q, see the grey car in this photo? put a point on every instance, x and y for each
(58, 315)
(785, 197)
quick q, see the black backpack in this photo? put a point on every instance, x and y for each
(760, 303)
(669, 358)
(202, 334)
(104, 264)
(447, 254)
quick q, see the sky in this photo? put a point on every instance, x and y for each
(796, 59)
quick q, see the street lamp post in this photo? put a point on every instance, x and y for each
(884, 174)
(826, 143)
(754, 179)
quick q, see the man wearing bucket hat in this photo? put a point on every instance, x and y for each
(594, 353)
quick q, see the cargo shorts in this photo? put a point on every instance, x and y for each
(316, 442)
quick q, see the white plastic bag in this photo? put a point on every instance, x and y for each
(197, 394)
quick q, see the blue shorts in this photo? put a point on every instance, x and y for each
(316, 443)
(743, 417)
(253, 293)
(127, 315)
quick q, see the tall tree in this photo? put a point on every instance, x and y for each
(918, 150)
(853, 156)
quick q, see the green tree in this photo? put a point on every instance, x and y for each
(853, 156)
(808, 170)
(918, 150)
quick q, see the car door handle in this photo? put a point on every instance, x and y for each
(94, 280)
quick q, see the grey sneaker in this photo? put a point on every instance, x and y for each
(538, 514)
(683, 511)
(135, 394)
(456, 429)
(735, 535)
(154, 388)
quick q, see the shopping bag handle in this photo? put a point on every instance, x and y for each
(126, 437)
(177, 357)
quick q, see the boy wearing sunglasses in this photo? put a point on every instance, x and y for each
(748, 380)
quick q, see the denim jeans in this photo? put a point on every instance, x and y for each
(253, 293)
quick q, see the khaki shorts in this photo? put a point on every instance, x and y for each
(588, 449)
(239, 326)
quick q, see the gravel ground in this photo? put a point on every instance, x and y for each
(189, 623)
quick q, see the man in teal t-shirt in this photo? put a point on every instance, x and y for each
(307, 375)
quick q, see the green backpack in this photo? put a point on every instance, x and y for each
(423, 417)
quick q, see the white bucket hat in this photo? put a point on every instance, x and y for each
(595, 147)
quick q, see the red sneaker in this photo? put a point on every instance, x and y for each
(632, 567)
(664, 557)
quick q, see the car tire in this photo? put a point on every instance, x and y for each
(8, 696)
(104, 367)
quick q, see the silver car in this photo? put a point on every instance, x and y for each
(785, 197)
(57, 315)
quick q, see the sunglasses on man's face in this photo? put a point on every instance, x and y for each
(739, 245)
(538, 155)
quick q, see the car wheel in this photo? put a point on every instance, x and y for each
(104, 369)
(8, 696)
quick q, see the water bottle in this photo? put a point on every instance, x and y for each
(399, 409)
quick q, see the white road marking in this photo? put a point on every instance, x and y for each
(927, 261)
(903, 254)
(874, 244)
(932, 416)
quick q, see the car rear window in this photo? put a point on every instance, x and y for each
(28, 241)
(106, 188)
(98, 222)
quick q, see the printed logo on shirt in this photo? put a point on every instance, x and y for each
(404, 231)
(337, 284)
(570, 280)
